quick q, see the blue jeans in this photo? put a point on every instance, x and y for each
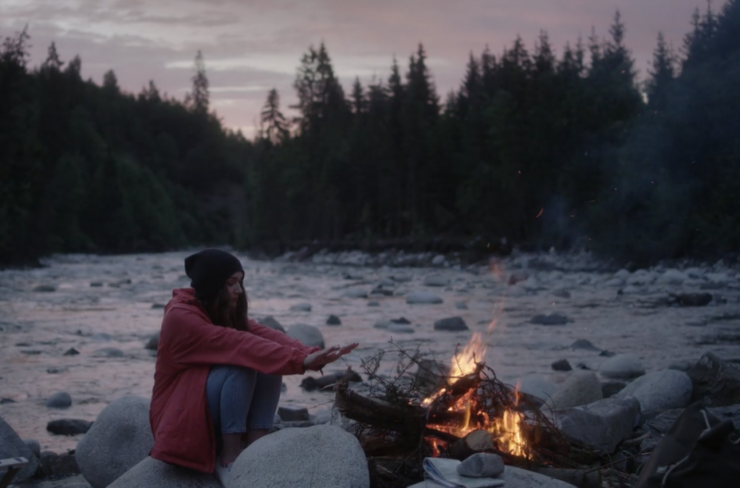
(241, 398)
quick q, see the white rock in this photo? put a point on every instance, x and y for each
(513, 478)
(322, 455)
(435, 280)
(672, 277)
(152, 473)
(118, 440)
(601, 425)
(660, 390)
(622, 366)
(581, 388)
(622, 274)
(536, 386)
(438, 260)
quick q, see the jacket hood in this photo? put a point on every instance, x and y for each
(182, 296)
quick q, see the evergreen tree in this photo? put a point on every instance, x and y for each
(273, 124)
(661, 75)
(199, 97)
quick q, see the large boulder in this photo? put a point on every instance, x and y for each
(622, 366)
(601, 425)
(660, 390)
(323, 455)
(581, 388)
(152, 473)
(119, 439)
(307, 334)
(716, 382)
(12, 446)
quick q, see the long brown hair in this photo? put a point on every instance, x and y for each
(221, 312)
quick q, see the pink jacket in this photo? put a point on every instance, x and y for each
(189, 344)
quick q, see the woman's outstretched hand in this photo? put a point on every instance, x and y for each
(317, 360)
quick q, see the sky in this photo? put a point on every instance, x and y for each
(251, 46)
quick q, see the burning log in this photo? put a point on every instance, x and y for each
(477, 441)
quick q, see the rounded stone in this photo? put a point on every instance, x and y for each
(61, 399)
(622, 366)
(307, 334)
(660, 390)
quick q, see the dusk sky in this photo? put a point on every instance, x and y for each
(250, 46)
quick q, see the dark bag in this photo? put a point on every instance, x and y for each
(699, 450)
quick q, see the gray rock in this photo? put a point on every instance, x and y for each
(373, 303)
(12, 446)
(107, 352)
(672, 277)
(68, 426)
(34, 446)
(301, 307)
(333, 320)
(153, 473)
(584, 344)
(435, 280)
(461, 305)
(422, 298)
(537, 387)
(438, 260)
(451, 324)
(517, 277)
(551, 319)
(481, 465)
(320, 456)
(561, 365)
(307, 334)
(289, 413)
(44, 289)
(119, 439)
(661, 390)
(60, 399)
(601, 425)
(270, 322)
(71, 352)
(382, 324)
(153, 342)
(561, 293)
(355, 293)
(715, 382)
(612, 387)
(581, 388)
(622, 366)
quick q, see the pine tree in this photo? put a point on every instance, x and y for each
(273, 124)
(198, 99)
(662, 73)
(52, 59)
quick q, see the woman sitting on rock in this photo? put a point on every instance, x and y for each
(217, 377)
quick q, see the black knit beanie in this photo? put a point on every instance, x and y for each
(209, 269)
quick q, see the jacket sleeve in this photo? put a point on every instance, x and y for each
(193, 340)
(279, 337)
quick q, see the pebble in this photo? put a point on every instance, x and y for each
(68, 426)
(561, 365)
(551, 319)
(301, 307)
(451, 324)
(333, 320)
(622, 366)
(422, 297)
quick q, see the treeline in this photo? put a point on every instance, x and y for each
(541, 150)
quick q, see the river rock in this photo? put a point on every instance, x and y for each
(435, 280)
(322, 455)
(290, 413)
(61, 399)
(561, 365)
(672, 277)
(68, 426)
(422, 298)
(107, 352)
(622, 366)
(355, 293)
(660, 390)
(601, 425)
(581, 388)
(333, 320)
(400, 329)
(301, 307)
(45, 288)
(451, 324)
(715, 382)
(307, 334)
(551, 319)
(612, 387)
(152, 473)
(153, 342)
(517, 277)
(270, 322)
(12, 446)
(584, 344)
(34, 446)
(119, 439)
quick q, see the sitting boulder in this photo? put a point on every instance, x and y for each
(581, 388)
(601, 425)
(322, 455)
(154, 473)
(119, 439)
(12, 446)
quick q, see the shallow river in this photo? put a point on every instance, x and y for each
(97, 302)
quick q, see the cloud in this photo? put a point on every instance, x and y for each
(252, 45)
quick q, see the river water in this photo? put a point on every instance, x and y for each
(91, 303)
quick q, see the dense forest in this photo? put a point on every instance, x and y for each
(570, 151)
